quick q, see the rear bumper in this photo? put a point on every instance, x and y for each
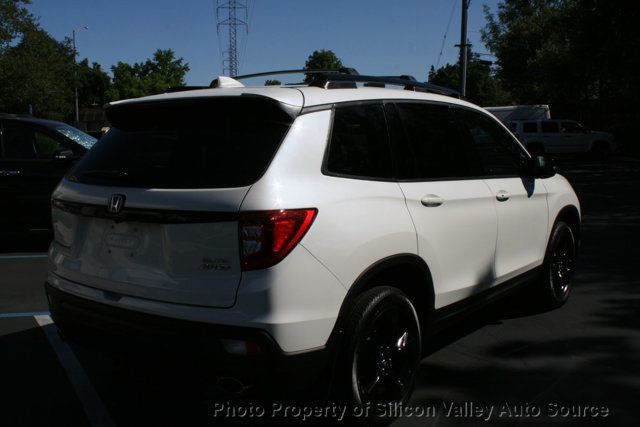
(117, 330)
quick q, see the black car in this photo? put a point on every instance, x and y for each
(34, 155)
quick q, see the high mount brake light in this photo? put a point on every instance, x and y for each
(266, 237)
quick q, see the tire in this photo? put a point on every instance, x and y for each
(558, 267)
(600, 150)
(380, 353)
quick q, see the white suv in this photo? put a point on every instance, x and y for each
(562, 137)
(334, 225)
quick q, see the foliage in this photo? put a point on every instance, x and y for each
(578, 55)
(483, 88)
(272, 82)
(15, 19)
(37, 72)
(322, 60)
(93, 84)
(150, 77)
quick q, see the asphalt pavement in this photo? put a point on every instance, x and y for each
(579, 364)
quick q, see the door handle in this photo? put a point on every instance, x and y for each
(431, 201)
(9, 173)
(502, 196)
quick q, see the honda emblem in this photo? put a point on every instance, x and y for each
(116, 203)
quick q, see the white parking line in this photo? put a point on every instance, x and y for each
(93, 406)
(25, 256)
(23, 314)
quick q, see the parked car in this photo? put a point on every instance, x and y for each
(562, 137)
(303, 235)
(34, 155)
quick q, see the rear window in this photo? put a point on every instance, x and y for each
(529, 127)
(359, 142)
(191, 143)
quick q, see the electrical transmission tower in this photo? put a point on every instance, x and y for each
(227, 16)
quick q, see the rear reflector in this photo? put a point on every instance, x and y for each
(266, 237)
(241, 347)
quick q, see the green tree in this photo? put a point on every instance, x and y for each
(272, 82)
(93, 84)
(147, 78)
(483, 87)
(532, 40)
(15, 20)
(580, 56)
(38, 72)
(322, 60)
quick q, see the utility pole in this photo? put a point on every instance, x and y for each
(464, 46)
(230, 59)
(75, 63)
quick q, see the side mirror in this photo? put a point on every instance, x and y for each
(62, 154)
(542, 167)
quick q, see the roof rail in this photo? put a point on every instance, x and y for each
(409, 82)
(342, 78)
(344, 70)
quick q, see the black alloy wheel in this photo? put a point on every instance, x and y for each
(559, 266)
(382, 351)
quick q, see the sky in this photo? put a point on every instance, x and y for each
(374, 36)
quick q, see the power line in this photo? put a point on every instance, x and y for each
(251, 4)
(446, 32)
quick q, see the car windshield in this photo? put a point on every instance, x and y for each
(76, 135)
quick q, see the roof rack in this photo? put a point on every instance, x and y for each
(408, 82)
(336, 79)
(348, 77)
(344, 70)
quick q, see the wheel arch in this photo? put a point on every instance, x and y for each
(571, 215)
(406, 272)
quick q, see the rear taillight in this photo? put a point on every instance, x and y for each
(266, 237)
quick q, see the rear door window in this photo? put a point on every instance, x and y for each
(529, 127)
(190, 143)
(18, 142)
(359, 144)
(428, 144)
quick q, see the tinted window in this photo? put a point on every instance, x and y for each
(497, 151)
(571, 127)
(429, 144)
(529, 127)
(359, 142)
(549, 127)
(22, 142)
(45, 145)
(191, 143)
(18, 142)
